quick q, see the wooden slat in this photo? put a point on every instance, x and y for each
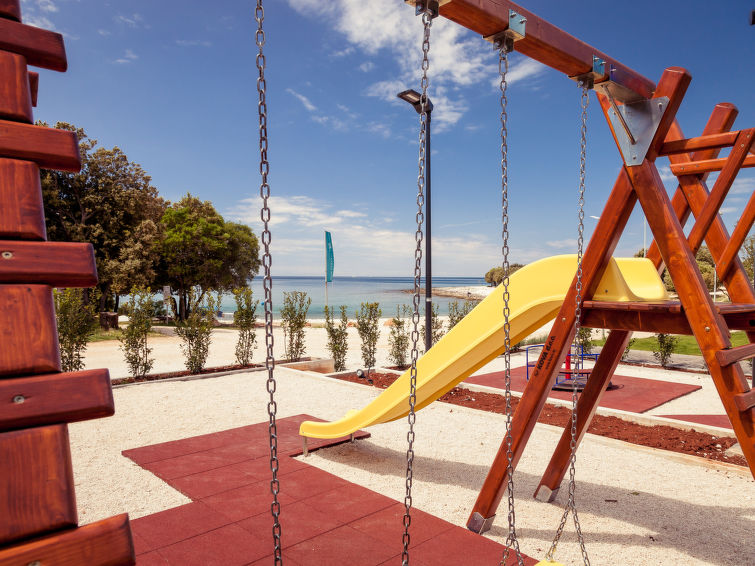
(745, 401)
(10, 9)
(55, 398)
(708, 166)
(738, 236)
(47, 147)
(104, 543)
(58, 264)
(36, 483)
(732, 355)
(543, 41)
(22, 214)
(28, 332)
(712, 141)
(15, 94)
(721, 188)
(33, 86)
(42, 48)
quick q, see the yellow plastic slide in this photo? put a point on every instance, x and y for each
(536, 293)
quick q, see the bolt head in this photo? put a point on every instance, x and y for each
(18, 399)
(7, 255)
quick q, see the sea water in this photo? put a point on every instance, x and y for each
(390, 292)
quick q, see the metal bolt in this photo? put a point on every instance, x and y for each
(707, 329)
(7, 255)
(513, 15)
(18, 399)
(34, 563)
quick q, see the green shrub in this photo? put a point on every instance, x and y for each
(368, 317)
(456, 312)
(584, 339)
(627, 349)
(77, 318)
(294, 319)
(398, 340)
(437, 327)
(338, 345)
(664, 348)
(245, 318)
(140, 310)
(195, 330)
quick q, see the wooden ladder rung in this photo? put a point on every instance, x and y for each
(732, 355)
(707, 166)
(745, 401)
(42, 48)
(711, 141)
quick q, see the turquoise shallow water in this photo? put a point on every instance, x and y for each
(352, 291)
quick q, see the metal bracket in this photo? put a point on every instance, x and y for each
(479, 524)
(430, 7)
(635, 124)
(597, 72)
(515, 32)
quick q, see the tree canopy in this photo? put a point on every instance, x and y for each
(494, 276)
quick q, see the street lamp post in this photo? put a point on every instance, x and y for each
(415, 99)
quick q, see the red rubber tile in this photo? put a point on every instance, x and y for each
(244, 502)
(140, 545)
(309, 481)
(460, 546)
(343, 545)
(349, 503)
(387, 525)
(710, 420)
(268, 560)
(240, 451)
(413, 560)
(204, 484)
(227, 546)
(187, 465)
(634, 394)
(153, 558)
(260, 467)
(299, 522)
(177, 524)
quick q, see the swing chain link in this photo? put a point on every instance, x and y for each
(585, 85)
(259, 16)
(503, 66)
(427, 19)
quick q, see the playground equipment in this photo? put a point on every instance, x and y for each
(573, 368)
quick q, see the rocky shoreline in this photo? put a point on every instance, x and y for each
(476, 292)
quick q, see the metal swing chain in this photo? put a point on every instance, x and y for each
(259, 16)
(571, 504)
(503, 67)
(427, 21)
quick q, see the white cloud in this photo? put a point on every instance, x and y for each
(383, 130)
(728, 209)
(103, 32)
(303, 99)
(193, 43)
(743, 185)
(343, 52)
(128, 57)
(666, 175)
(367, 66)
(46, 5)
(566, 243)
(134, 20)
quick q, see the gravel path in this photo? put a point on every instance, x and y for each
(668, 509)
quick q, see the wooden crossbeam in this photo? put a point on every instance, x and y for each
(15, 91)
(745, 401)
(711, 141)
(22, 215)
(721, 187)
(733, 355)
(708, 166)
(58, 264)
(34, 86)
(543, 41)
(40, 47)
(55, 398)
(47, 147)
(741, 231)
(10, 9)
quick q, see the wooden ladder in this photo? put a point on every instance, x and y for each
(38, 518)
(692, 160)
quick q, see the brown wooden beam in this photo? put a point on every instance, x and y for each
(58, 264)
(55, 398)
(745, 401)
(47, 147)
(22, 214)
(711, 141)
(104, 543)
(734, 355)
(721, 188)
(10, 9)
(34, 87)
(542, 42)
(28, 330)
(738, 237)
(42, 48)
(708, 166)
(36, 483)
(15, 94)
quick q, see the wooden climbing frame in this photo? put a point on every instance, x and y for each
(694, 313)
(38, 518)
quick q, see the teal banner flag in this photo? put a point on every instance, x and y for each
(329, 262)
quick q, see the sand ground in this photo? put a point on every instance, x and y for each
(637, 505)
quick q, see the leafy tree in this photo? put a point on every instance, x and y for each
(134, 339)
(294, 319)
(665, 344)
(494, 277)
(456, 313)
(368, 317)
(195, 330)
(747, 255)
(245, 318)
(76, 314)
(398, 340)
(338, 344)
(200, 249)
(109, 203)
(584, 339)
(435, 324)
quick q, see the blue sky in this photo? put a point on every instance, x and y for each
(172, 83)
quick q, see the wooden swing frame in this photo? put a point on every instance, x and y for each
(39, 519)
